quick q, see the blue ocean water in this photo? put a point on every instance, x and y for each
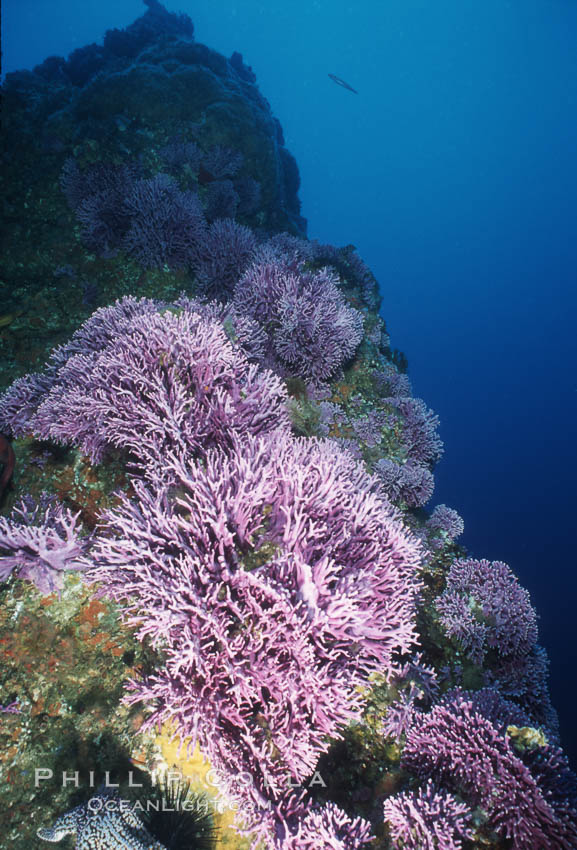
(454, 172)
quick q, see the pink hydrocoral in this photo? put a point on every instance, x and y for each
(312, 331)
(323, 827)
(428, 819)
(220, 258)
(529, 798)
(409, 482)
(20, 401)
(446, 520)
(484, 607)
(419, 430)
(165, 223)
(416, 684)
(389, 382)
(39, 542)
(275, 581)
(220, 162)
(168, 382)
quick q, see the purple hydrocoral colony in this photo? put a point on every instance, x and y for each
(346, 261)
(312, 331)
(178, 154)
(221, 200)
(291, 251)
(39, 543)
(525, 681)
(368, 428)
(165, 223)
(101, 329)
(409, 482)
(114, 370)
(415, 682)
(245, 333)
(222, 256)
(427, 819)
(169, 382)
(389, 382)
(219, 162)
(249, 194)
(21, 400)
(323, 827)
(97, 196)
(419, 430)
(484, 608)
(446, 520)
(274, 582)
(528, 797)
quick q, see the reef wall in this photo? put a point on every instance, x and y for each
(217, 521)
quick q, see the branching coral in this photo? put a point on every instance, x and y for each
(178, 154)
(221, 257)
(39, 543)
(219, 162)
(428, 819)
(312, 331)
(447, 521)
(165, 223)
(328, 826)
(411, 483)
(151, 382)
(274, 580)
(419, 428)
(484, 608)
(171, 382)
(528, 797)
(221, 200)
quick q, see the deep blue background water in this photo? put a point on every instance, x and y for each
(454, 172)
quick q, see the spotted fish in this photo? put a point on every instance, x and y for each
(105, 822)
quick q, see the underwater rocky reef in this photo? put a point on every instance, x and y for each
(224, 580)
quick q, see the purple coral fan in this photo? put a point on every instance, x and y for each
(97, 196)
(400, 713)
(221, 200)
(319, 827)
(410, 483)
(178, 154)
(428, 819)
(446, 520)
(169, 382)
(419, 430)
(274, 580)
(350, 266)
(416, 684)
(484, 607)
(525, 680)
(486, 610)
(219, 162)
(165, 223)
(39, 543)
(312, 331)
(368, 428)
(291, 251)
(137, 378)
(529, 796)
(222, 256)
(151, 219)
(20, 401)
(242, 331)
